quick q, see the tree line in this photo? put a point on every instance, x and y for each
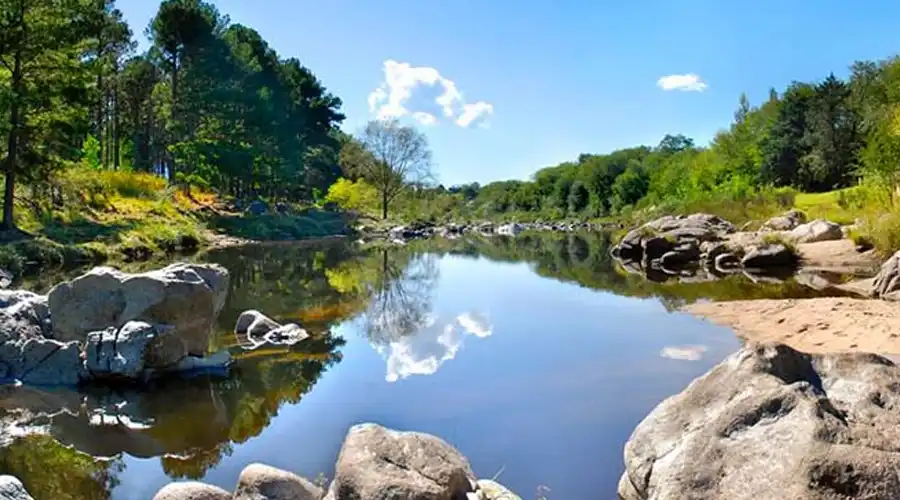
(209, 104)
(810, 136)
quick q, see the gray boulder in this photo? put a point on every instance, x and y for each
(6, 278)
(769, 256)
(41, 361)
(771, 422)
(23, 315)
(817, 230)
(786, 222)
(887, 282)
(261, 482)
(187, 296)
(376, 463)
(191, 490)
(12, 489)
(510, 229)
(254, 324)
(133, 350)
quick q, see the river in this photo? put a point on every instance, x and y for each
(532, 355)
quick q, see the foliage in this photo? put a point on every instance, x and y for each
(389, 157)
(356, 195)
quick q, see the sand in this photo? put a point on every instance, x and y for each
(811, 325)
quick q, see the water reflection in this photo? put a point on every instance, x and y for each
(191, 424)
(398, 303)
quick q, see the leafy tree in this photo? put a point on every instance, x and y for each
(389, 156)
(43, 44)
(578, 197)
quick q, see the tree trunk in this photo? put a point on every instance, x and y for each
(384, 205)
(172, 166)
(12, 147)
(115, 122)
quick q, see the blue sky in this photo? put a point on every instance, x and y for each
(561, 78)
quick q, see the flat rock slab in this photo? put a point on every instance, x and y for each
(816, 325)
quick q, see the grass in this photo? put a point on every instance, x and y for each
(842, 206)
(129, 216)
(779, 239)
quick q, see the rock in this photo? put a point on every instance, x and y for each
(726, 262)
(191, 490)
(257, 207)
(680, 256)
(887, 281)
(817, 230)
(261, 482)
(133, 350)
(253, 328)
(376, 463)
(48, 362)
(771, 422)
(510, 229)
(23, 315)
(496, 491)
(769, 256)
(786, 222)
(12, 489)
(655, 247)
(6, 278)
(188, 297)
(254, 324)
(814, 280)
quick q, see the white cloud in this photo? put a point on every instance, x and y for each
(472, 112)
(423, 352)
(689, 82)
(424, 118)
(390, 99)
(684, 353)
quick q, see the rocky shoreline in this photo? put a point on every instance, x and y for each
(374, 463)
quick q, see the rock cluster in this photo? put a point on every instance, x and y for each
(683, 246)
(771, 422)
(254, 329)
(374, 463)
(107, 324)
(419, 229)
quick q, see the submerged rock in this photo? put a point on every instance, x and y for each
(188, 297)
(771, 422)
(258, 481)
(379, 464)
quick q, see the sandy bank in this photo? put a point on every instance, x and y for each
(811, 325)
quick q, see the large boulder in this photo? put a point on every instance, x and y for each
(12, 489)
(650, 242)
(188, 297)
(376, 463)
(261, 482)
(887, 282)
(817, 230)
(133, 351)
(191, 490)
(771, 422)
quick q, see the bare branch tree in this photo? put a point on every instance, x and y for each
(390, 157)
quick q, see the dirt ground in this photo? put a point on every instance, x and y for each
(811, 325)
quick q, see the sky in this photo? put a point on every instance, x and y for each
(503, 88)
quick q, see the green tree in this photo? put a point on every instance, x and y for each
(43, 46)
(389, 156)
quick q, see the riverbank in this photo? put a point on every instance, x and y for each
(135, 217)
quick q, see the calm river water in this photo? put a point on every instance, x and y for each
(532, 355)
